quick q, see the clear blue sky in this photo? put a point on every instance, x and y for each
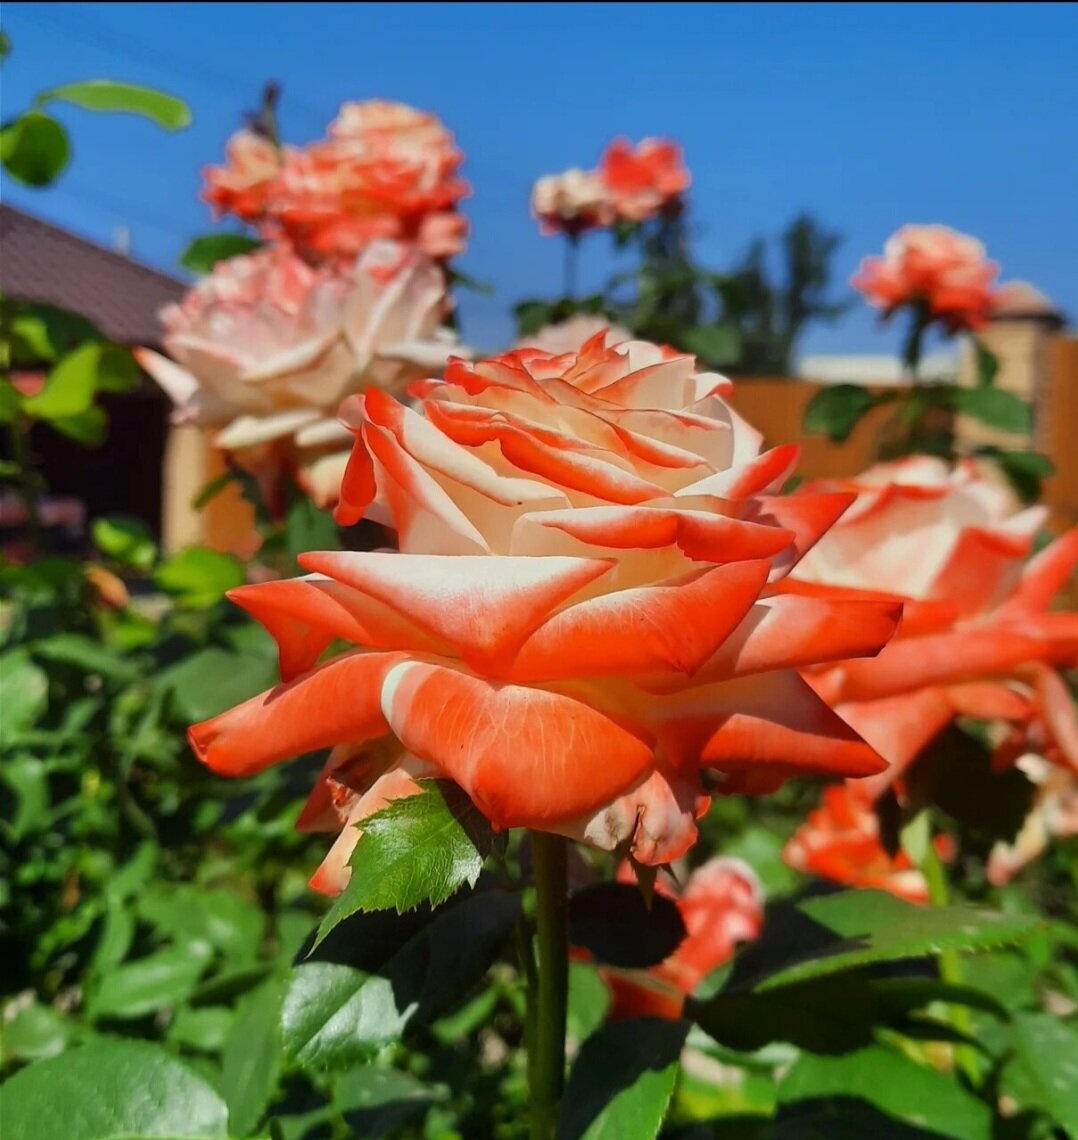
(867, 115)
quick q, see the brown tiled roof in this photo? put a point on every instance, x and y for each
(41, 262)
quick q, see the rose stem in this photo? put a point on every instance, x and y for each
(552, 931)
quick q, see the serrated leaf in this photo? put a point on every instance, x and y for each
(857, 928)
(89, 427)
(837, 409)
(422, 848)
(35, 1032)
(34, 148)
(108, 95)
(621, 1083)
(112, 1090)
(614, 922)
(202, 254)
(87, 655)
(41, 333)
(377, 973)
(890, 1083)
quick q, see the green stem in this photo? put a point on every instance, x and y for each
(572, 264)
(526, 959)
(547, 1068)
(951, 970)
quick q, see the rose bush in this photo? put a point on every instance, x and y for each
(267, 346)
(587, 615)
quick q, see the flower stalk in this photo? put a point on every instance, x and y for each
(550, 995)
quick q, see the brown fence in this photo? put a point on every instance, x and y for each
(775, 406)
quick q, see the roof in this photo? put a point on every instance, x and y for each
(41, 262)
(1019, 300)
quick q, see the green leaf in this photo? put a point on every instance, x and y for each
(34, 148)
(227, 921)
(614, 922)
(251, 1061)
(35, 1032)
(212, 680)
(197, 577)
(111, 1090)
(1043, 1073)
(377, 973)
(89, 427)
(26, 693)
(837, 409)
(41, 333)
(856, 928)
(380, 1102)
(125, 540)
(714, 344)
(204, 1030)
(418, 849)
(532, 316)
(107, 95)
(27, 777)
(622, 1081)
(205, 252)
(71, 385)
(116, 369)
(1024, 469)
(987, 365)
(994, 406)
(888, 1081)
(152, 983)
(589, 1001)
(308, 528)
(86, 655)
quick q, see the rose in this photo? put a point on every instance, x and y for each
(572, 202)
(243, 185)
(644, 179)
(386, 171)
(586, 616)
(935, 267)
(572, 334)
(976, 638)
(266, 347)
(721, 906)
(840, 841)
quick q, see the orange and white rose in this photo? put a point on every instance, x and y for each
(945, 271)
(977, 637)
(586, 620)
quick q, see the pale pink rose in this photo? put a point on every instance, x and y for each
(936, 266)
(571, 202)
(571, 335)
(266, 347)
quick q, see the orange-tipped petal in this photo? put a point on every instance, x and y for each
(484, 606)
(337, 703)
(673, 626)
(527, 757)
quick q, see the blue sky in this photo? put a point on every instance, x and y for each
(867, 115)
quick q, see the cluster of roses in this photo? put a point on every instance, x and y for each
(347, 291)
(631, 184)
(603, 610)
